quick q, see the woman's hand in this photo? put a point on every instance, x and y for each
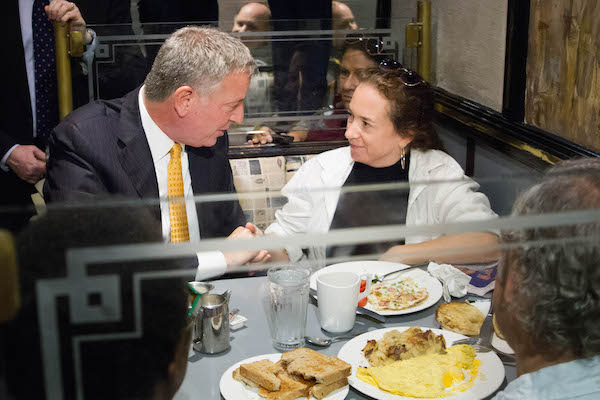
(242, 257)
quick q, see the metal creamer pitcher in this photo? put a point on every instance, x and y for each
(211, 325)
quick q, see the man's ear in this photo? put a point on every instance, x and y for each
(183, 100)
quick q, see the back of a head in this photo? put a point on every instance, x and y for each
(556, 267)
(110, 368)
(199, 57)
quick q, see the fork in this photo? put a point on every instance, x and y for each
(379, 279)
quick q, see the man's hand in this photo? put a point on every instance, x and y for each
(65, 11)
(236, 258)
(264, 136)
(28, 162)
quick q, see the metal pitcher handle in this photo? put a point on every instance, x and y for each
(198, 331)
(227, 295)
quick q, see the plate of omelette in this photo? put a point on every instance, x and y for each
(408, 363)
(408, 291)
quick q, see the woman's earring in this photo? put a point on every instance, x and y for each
(402, 158)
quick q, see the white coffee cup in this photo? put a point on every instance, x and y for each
(338, 295)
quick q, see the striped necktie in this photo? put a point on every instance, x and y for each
(179, 223)
(44, 53)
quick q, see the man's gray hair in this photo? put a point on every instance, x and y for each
(557, 296)
(199, 57)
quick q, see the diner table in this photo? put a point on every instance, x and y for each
(204, 371)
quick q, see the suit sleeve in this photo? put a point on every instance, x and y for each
(6, 143)
(69, 173)
(236, 216)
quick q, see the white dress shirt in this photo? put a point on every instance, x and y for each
(210, 264)
(25, 10)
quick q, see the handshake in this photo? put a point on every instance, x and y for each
(246, 257)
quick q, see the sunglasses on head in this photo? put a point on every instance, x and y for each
(373, 46)
(407, 77)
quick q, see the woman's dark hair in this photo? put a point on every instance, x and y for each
(411, 106)
(365, 47)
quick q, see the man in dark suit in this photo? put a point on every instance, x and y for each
(29, 103)
(169, 134)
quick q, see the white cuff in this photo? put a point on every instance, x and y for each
(295, 254)
(88, 56)
(8, 153)
(211, 264)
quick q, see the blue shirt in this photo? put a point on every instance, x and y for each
(579, 379)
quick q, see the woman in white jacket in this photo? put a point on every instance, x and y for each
(392, 138)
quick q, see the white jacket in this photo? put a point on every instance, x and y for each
(310, 210)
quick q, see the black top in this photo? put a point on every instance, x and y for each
(371, 208)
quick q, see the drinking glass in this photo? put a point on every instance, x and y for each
(287, 302)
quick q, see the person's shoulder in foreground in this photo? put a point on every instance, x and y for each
(576, 379)
(547, 296)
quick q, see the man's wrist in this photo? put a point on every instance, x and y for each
(4, 160)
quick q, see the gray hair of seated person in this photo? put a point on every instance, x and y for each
(199, 57)
(556, 269)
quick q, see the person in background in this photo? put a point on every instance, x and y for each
(358, 54)
(342, 19)
(253, 17)
(392, 139)
(160, 17)
(166, 140)
(150, 365)
(547, 295)
(30, 102)
(256, 17)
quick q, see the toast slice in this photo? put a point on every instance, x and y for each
(262, 374)
(314, 365)
(321, 390)
(290, 389)
(463, 318)
(238, 377)
(496, 328)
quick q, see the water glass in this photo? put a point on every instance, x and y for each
(287, 302)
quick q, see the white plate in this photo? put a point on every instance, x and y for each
(422, 278)
(236, 390)
(490, 377)
(501, 344)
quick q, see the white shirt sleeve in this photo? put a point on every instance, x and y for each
(5, 158)
(210, 265)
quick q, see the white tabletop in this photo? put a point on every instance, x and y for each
(204, 371)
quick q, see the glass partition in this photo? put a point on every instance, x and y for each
(301, 87)
(104, 295)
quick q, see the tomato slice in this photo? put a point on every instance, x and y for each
(363, 285)
(363, 302)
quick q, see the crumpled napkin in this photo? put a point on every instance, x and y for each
(454, 281)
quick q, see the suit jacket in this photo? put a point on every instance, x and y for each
(16, 124)
(101, 149)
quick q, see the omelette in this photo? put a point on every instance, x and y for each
(428, 376)
(398, 295)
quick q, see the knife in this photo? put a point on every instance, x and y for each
(360, 310)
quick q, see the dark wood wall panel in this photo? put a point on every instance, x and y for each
(563, 69)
